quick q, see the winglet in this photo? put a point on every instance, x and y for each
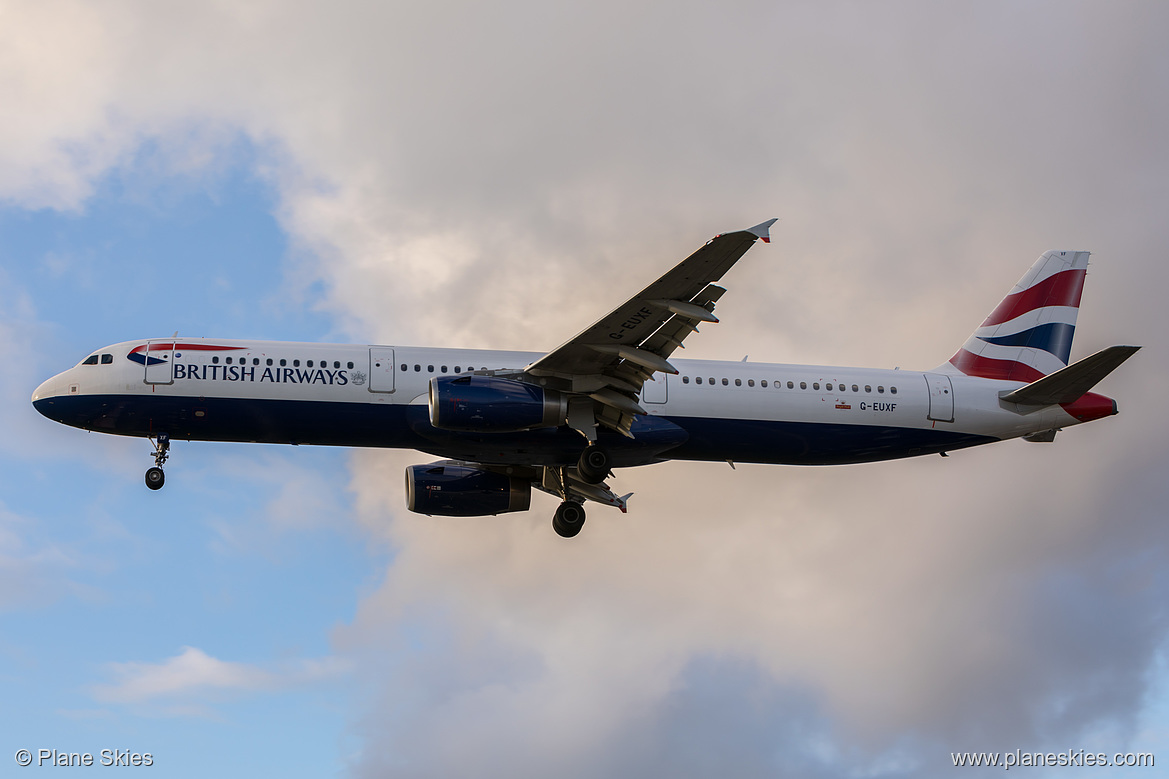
(760, 230)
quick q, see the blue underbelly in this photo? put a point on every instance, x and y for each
(407, 427)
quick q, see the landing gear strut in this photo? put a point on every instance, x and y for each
(155, 478)
(593, 466)
(569, 519)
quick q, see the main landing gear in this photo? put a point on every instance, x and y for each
(594, 464)
(155, 478)
(593, 468)
(576, 485)
(569, 519)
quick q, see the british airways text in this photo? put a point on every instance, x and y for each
(274, 375)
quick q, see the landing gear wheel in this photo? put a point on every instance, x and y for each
(569, 519)
(155, 478)
(593, 466)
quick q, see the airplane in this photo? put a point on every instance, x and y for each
(610, 397)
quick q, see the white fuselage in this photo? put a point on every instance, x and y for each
(214, 389)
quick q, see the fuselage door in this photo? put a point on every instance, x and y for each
(381, 369)
(160, 358)
(941, 397)
(654, 390)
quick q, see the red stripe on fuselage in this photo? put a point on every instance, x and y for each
(1063, 289)
(165, 346)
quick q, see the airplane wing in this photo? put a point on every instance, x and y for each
(611, 360)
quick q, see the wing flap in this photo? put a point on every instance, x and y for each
(670, 336)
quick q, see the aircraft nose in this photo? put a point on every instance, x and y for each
(45, 390)
(43, 396)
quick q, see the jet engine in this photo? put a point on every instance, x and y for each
(450, 490)
(486, 404)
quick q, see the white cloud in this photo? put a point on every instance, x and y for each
(191, 678)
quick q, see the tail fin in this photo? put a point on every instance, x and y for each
(1029, 334)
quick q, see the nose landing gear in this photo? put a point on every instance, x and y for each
(155, 478)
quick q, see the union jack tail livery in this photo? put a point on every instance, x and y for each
(1029, 334)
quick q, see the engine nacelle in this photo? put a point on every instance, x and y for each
(486, 404)
(463, 491)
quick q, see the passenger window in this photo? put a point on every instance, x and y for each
(828, 386)
(880, 390)
(255, 361)
(430, 369)
(417, 368)
(854, 388)
(296, 363)
(90, 360)
(791, 386)
(764, 383)
(815, 385)
(269, 361)
(308, 364)
(350, 366)
(685, 379)
(710, 380)
(107, 359)
(458, 369)
(803, 385)
(893, 390)
(738, 382)
(215, 359)
(444, 369)
(228, 361)
(336, 364)
(868, 388)
(750, 382)
(283, 362)
(725, 382)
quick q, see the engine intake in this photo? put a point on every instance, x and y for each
(486, 404)
(445, 490)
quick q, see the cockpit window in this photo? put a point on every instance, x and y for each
(90, 360)
(107, 359)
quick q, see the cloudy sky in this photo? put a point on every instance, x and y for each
(498, 175)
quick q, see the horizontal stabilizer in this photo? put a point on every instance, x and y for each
(1069, 384)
